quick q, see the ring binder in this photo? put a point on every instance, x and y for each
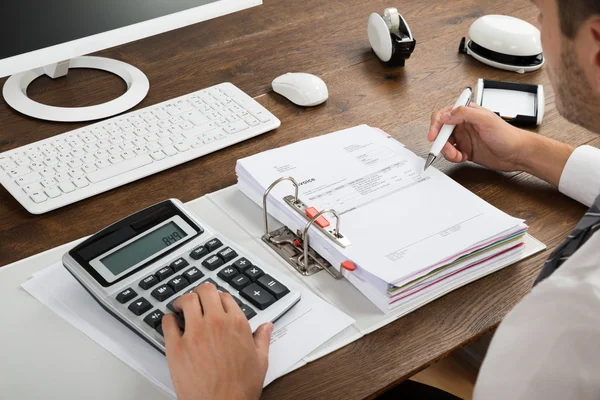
(294, 247)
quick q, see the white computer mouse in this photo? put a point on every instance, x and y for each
(301, 88)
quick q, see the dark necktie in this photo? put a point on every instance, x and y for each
(586, 227)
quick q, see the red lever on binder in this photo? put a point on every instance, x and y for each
(321, 221)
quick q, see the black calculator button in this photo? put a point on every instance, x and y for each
(148, 282)
(274, 287)
(227, 254)
(212, 263)
(228, 273)
(240, 281)
(126, 295)
(238, 301)
(154, 318)
(164, 273)
(213, 244)
(159, 329)
(248, 311)
(254, 273)
(193, 274)
(179, 264)
(198, 253)
(162, 292)
(257, 296)
(209, 280)
(242, 264)
(140, 306)
(178, 283)
(171, 307)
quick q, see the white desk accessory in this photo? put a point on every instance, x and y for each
(504, 42)
(390, 37)
(517, 103)
(302, 89)
(75, 165)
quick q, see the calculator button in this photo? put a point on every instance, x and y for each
(274, 287)
(159, 329)
(164, 273)
(228, 273)
(126, 295)
(257, 296)
(242, 264)
(254, 273)
(198, 253)
(212, 263)
(148, 282)
(162, 292)
(240, 281)
(209, 280)
(179, 264)
(178, 283)
(193, 274)
(154, 318)
(140, 306)
(248, 311)
(213, 244)
(227, 254)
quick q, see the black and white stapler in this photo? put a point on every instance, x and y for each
(390, 37)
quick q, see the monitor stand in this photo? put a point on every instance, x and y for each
(15, 90)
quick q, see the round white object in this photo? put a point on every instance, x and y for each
(15, 92)
(506, 35)
(380, 38)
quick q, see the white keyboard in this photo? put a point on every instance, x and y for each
(75, 165)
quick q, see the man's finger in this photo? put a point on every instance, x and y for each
(464, 114)
(189, 305)
(171, 329)
(450, 153)
(229, 304)
(436, 123)
(262, 341)
(209, 298)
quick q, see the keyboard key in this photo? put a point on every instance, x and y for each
(154, 319)
(274, 287)
(170, 150)
(239, 282)
(213, 244)
(52, 192)
(140, 306)
(242, 264)
(235, 127)
(164, 273)
(179, 264)
(254, 273)
(38, 197)
(62, 177)
(80, 182)
(76, 172)
(178, 283)
(257, 296)
(148, 282)
(120, 168)
(66, 187)
(162, 292)
(198, 253)
(158, 155)
(193, 274)
(248, 311)
(213, 262)
(126, 295)
(34, 187)
(48, 183)
(227, 254)
(228, 273)
(27, 179)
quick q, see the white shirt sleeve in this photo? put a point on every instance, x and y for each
(580, 180)
(548, 346)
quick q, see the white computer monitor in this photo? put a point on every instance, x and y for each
(50, 36)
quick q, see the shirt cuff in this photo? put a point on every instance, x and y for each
(580, 179)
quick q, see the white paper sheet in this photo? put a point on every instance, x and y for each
(509, 103)
(304, 328)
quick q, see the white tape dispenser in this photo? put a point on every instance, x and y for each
(390, 37)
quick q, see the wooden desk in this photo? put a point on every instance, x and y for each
(327, 38)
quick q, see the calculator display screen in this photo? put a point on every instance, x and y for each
(142, 248)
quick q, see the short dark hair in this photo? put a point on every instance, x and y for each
(574, 12)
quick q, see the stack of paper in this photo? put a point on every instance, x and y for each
(413, 234)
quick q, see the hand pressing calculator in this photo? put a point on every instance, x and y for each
(137, 267)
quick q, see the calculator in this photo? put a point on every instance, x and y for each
(137, 267)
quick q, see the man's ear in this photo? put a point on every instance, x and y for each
(595, 28)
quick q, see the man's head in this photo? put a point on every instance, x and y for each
(571, 41)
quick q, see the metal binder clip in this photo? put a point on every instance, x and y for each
(288, 244)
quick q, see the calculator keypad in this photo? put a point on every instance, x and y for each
(248, 281)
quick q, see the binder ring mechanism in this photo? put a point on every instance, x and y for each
(294, 246)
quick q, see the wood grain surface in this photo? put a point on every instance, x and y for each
(327, 38)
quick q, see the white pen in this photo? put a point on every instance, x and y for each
(463, 100)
